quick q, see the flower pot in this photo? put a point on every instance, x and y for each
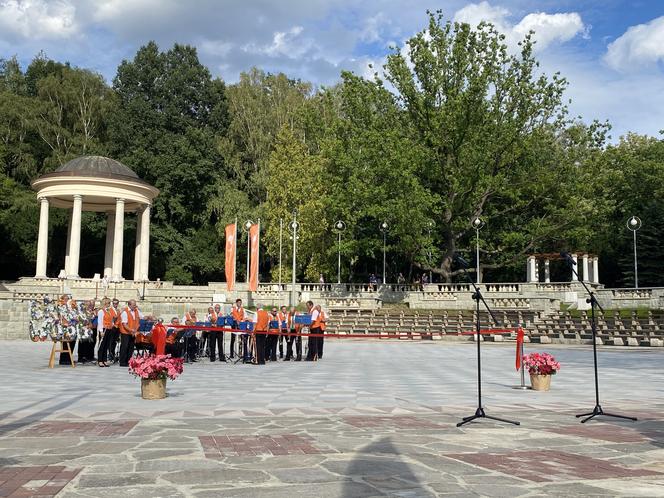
(540, 382)
(153, 388)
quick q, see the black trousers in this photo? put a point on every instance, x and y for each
(113, 342)
(321, 340)
(64, 357)
(281, 345)
(260, 348)
(272, 340)
(313, 344)
(290, 339)
(216, 339)
(86, 348)
(175, 350)
(102, 352)
(126, 349)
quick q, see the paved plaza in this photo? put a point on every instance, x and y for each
(373, 418)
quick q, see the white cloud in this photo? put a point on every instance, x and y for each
(639, 46)
(549, 28)
(37, 19)
(284, 43)
(373, 27)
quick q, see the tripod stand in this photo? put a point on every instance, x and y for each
(477, 297)
(592, 300)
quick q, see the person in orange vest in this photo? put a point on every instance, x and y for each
(313, 342)
(190, 339)
(115, 332)
(238, 316)
(220, 334)
(261, 324)
(173, 345)
(215, 338)
(323, 324)
(273, 337)
(107, 319)
(291, 338)
(282, 316)
(129, 321)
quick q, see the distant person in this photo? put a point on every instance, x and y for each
(373, 282)
(321, 279)
(400, 279)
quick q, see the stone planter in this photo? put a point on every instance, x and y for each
(540, 382)
(153, 388)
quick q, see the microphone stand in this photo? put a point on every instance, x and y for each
(592, 300)
(477, 296)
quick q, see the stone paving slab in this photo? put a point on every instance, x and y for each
(279, 432)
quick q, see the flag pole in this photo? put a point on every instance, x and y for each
(258, 253)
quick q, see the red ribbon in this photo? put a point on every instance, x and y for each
(519, 342)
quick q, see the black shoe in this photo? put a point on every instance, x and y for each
(222, 359)
(212, 360)
(298, 359)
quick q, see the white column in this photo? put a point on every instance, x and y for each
(547, 271)
(137, 247)
(532, 269)
(118, 239)
(42, 240)
(145, 243)
(75, 239)
(584, 266)
(596, 269)
(68, 244)
(108, 249)
(575, 258)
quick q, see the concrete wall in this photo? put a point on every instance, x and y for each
(164, 299)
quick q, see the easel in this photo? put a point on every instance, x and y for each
(64, 349)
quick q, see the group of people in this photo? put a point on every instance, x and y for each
(274, 334)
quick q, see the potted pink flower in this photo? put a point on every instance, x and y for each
(153, 372)
(541, 366)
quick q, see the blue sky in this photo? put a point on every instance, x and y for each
(611, 51)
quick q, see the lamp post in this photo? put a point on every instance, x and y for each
(293, 229)
(634, 223)
(281, 236)
(383, 228)
(340, 226)
(478, 224)
(430, 226)
(247, 227)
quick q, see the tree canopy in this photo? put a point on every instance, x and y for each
(454, 126)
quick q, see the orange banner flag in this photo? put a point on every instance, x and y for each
(254, 233)
(231, 239)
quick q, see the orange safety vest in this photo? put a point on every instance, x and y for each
(262, 321)
(131, 327)
(272, 319)
(110, 317)
(317, 322)
(283, 318)
(238, 314)
(323, 320)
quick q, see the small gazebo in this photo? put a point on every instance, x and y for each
(95, 183)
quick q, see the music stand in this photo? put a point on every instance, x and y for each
(477, 296)
(592, 300)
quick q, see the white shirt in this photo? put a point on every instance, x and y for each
(100, 320)
(314, 315)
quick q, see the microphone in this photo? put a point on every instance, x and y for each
(567, 257)
(460, 261)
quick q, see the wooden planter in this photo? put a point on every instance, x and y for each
(540, 382)
(153, 388)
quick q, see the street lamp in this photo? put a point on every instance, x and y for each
(478, 224)
(430, 226)
(292, 227)
(634, 223)
(247, 227)
(340, 226)
(281, 237)
(383, 228)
